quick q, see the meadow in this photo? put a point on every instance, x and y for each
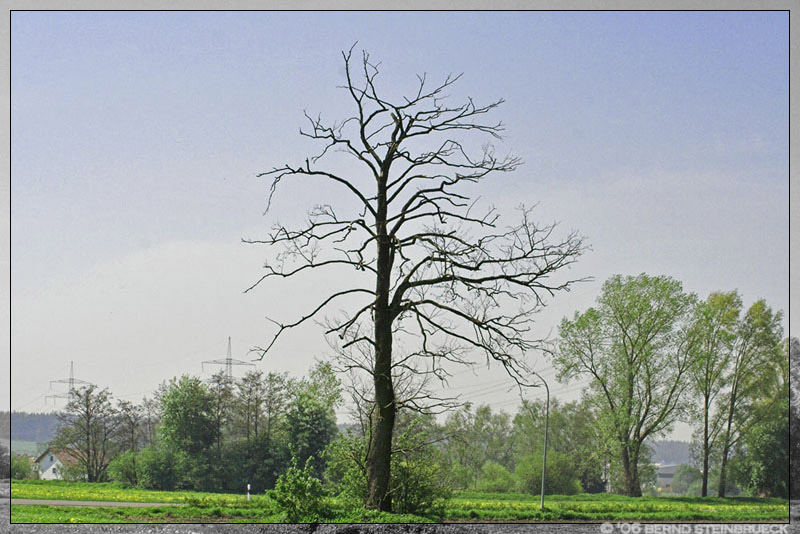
(463, 507)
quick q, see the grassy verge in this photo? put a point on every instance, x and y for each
(111, 491)
(183, 514)
(464, 507)
(598, 507)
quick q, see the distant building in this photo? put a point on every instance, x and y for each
(664, 477)
(51, 463)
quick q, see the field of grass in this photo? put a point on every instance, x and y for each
(603, 507)
(464, 507)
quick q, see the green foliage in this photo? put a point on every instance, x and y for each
(685, 476)
(123, 469)
(299, 494)
(419, 483)
(475, 437)
(465, 506)
(311, 419)
(633, 347)
(5, 462)
(573, 430)
(188, 421)
(157, 468)
(765, 468)
(88, 429)
(496, 478)
(21, 467)
(560, 478)
(312, 425)
(345, 468)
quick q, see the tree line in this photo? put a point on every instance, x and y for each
(653, 354)
(208, 435)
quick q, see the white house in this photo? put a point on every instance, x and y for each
(51, 463)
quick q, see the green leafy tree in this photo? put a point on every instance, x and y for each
(189, 427)
(88, 430)
(249, 402)
(5, 462)
(561, 477)
(792, 348)
(573, 431)
(188, 416)
(686, 475)
(123, 469)
(220, 387)
(635, 349)
(496, 478)
(714, 328)
(474, 437)
(765, 459)
(157, 468)
(312, 425)
(21, 467)
(756, 353)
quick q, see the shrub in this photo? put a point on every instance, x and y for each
(157, 469)
(561, 477)
(300, 495)
(345, 469)
(21, 467)
(123, 469)
(418, 485)
(5, 462)
(496, 478)
(685, 476)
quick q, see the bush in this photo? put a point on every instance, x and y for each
(561, 477)
(685, 476)
(345, 471)
(418, 485)
(157, 469)
(21, 467)
(300, 495)
(5, 462)
(496, 478)
(123, 469)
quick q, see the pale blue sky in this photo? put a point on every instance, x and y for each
(136, 138)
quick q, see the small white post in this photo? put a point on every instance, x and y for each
(248, 492)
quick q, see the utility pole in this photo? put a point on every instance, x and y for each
(546, 424)
(228, 362)
(71, 381)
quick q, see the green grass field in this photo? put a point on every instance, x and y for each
(464, 507)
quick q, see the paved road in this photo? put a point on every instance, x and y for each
(49, 502)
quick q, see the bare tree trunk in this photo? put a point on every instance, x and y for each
(379, 459)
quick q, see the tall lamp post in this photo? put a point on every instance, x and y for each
(546, 424)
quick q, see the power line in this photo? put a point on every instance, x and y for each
(71, 381)
(228, 362)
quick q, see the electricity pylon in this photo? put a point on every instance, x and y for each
(228, 362)
(71, 381)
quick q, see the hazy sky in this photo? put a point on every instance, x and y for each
(137, 137)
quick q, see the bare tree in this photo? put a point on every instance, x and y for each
(425, 262)
(88, 429)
